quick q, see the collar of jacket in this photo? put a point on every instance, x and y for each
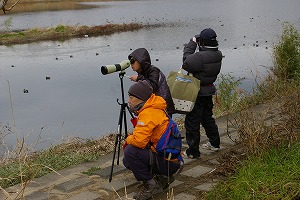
(208, 48)
(155, 102)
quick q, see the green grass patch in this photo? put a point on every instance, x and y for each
(60, 28)
(12, 35)
(276, 175)
(286, 54)
(91, 170)
(228, 95)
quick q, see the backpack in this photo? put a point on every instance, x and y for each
(170, 143)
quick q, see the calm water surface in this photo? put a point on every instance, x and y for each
(78, 101)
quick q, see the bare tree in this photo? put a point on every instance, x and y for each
(3, 4)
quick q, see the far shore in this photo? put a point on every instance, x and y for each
(49, 5)
(61, 33)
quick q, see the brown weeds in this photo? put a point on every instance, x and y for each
(80, 146)
(276, 126)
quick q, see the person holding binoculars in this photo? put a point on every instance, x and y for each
(141, 63)
(205, 65)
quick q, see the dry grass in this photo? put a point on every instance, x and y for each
(20, 165)
(280, 125)
(82, 146)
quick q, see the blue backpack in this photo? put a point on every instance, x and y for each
(170, 143)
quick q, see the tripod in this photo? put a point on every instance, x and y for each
(122, 116)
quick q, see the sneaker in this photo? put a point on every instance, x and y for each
(190, 155)
(165, 181)
(210, 147)
(148, 191)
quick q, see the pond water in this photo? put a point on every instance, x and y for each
(67, 94)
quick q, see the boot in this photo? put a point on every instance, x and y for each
(149, 189)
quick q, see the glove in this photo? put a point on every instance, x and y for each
(134, 121)
(125, 145)
(194, 39)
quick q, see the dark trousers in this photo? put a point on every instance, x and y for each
(144, 163)
(201, 114)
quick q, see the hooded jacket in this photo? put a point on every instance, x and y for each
(153, 74)
(152, 122)
(205, 65)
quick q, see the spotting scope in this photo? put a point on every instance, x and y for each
(108, 69)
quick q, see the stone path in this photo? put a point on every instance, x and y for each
(72, 184)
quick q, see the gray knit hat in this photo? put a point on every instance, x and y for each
(141, 90)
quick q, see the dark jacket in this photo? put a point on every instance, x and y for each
(153, 74)
(205, 65)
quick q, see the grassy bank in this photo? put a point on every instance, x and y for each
(274, 175)
(21, 165)
(62, 32)
(271, 169)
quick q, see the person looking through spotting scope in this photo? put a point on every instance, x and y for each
(141, 63)
(205, 65)
(139, 153)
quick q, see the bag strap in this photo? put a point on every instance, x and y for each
(180, 72)
(167, 114)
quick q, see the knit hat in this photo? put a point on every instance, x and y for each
(207, 34)
(141, 90)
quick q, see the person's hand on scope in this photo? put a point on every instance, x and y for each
(133, 77)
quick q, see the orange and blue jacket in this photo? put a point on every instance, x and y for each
(151, 123)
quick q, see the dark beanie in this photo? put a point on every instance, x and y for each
(141, 90)
(207, 34)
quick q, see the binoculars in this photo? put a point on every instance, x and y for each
(108, 69)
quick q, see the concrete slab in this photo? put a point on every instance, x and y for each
(40, 195)
(105, 172)
(187, 160)
(118, 183)
(197, 171)
(206, 186)
(206, 151)
(74, 184)
(86, 196)
(184, 196)
(109, 162)
(176, 183)
(214, 161)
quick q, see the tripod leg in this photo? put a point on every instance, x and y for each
(117, 143)
(122, 113)
(125, 120)
(113, 160)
